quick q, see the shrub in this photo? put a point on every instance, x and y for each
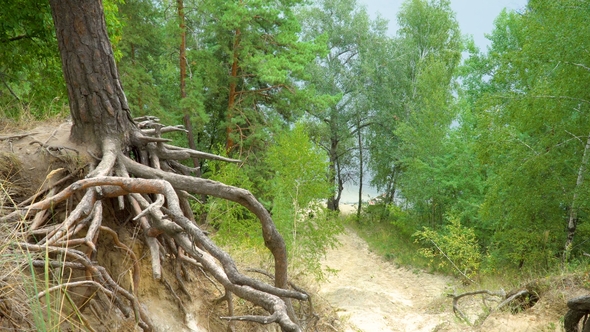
(455, 245)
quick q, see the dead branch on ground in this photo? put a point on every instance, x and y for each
(487, 296)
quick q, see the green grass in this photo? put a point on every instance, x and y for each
(24, 116)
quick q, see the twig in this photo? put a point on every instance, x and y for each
(200, 267)
(511, 298)
(251, 318)
(2, 74)
(458, 311)
(175, 296)
(178, 275)
(455, 266)
(150, 241)
(76, 284)
(16, 137)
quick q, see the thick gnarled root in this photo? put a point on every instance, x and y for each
(146, 182)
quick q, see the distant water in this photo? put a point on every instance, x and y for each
(350, 194)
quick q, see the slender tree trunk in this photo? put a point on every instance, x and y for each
(98, 105)
(335, 177)
(360, 143)
(390, 187)
(573, 218)
(232, 92)
(182, 65)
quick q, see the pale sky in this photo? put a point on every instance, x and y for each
(475, 17)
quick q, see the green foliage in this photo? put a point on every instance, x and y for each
(251, 59)
(31, 78)
(455, 246)
(148, 72)
(243, 60)
(235, 226)
(501, 149)
(531, 249)
(413, 146)
(294, 190)
(342, 79)
(114, 24)
(30, 67)
(297, 185)
(527, 97)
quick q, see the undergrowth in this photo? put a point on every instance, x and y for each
(28, 301)
(387, 233)
(24, 116)
(387, 239)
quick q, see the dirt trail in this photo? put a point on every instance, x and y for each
(376, 296)
(373, 295)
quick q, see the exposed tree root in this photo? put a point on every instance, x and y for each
(579, 309)
(489, 296)
(307, 316)
(15, 137)
(148, 179)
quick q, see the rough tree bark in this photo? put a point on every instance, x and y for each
(98, 105)
(335, 175)
(579, 309)
(133, 160)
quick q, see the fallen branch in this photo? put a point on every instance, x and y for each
(482, 317)
(15, 137)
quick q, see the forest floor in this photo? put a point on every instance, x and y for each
(371, 294)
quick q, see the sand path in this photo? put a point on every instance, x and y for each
(377, 296)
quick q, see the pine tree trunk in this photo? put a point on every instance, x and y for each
(232, 93)
(101, 119)
(98, 105)
(182, 65)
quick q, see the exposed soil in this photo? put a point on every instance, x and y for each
(374, 295)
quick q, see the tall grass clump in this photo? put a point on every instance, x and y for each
(15, 115)
(30, 300)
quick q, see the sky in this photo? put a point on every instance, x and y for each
(475, 17)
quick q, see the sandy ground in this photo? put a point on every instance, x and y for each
(373, 295)
(346, 209)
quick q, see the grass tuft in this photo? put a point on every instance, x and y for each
(18, 116)
(383, 237)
